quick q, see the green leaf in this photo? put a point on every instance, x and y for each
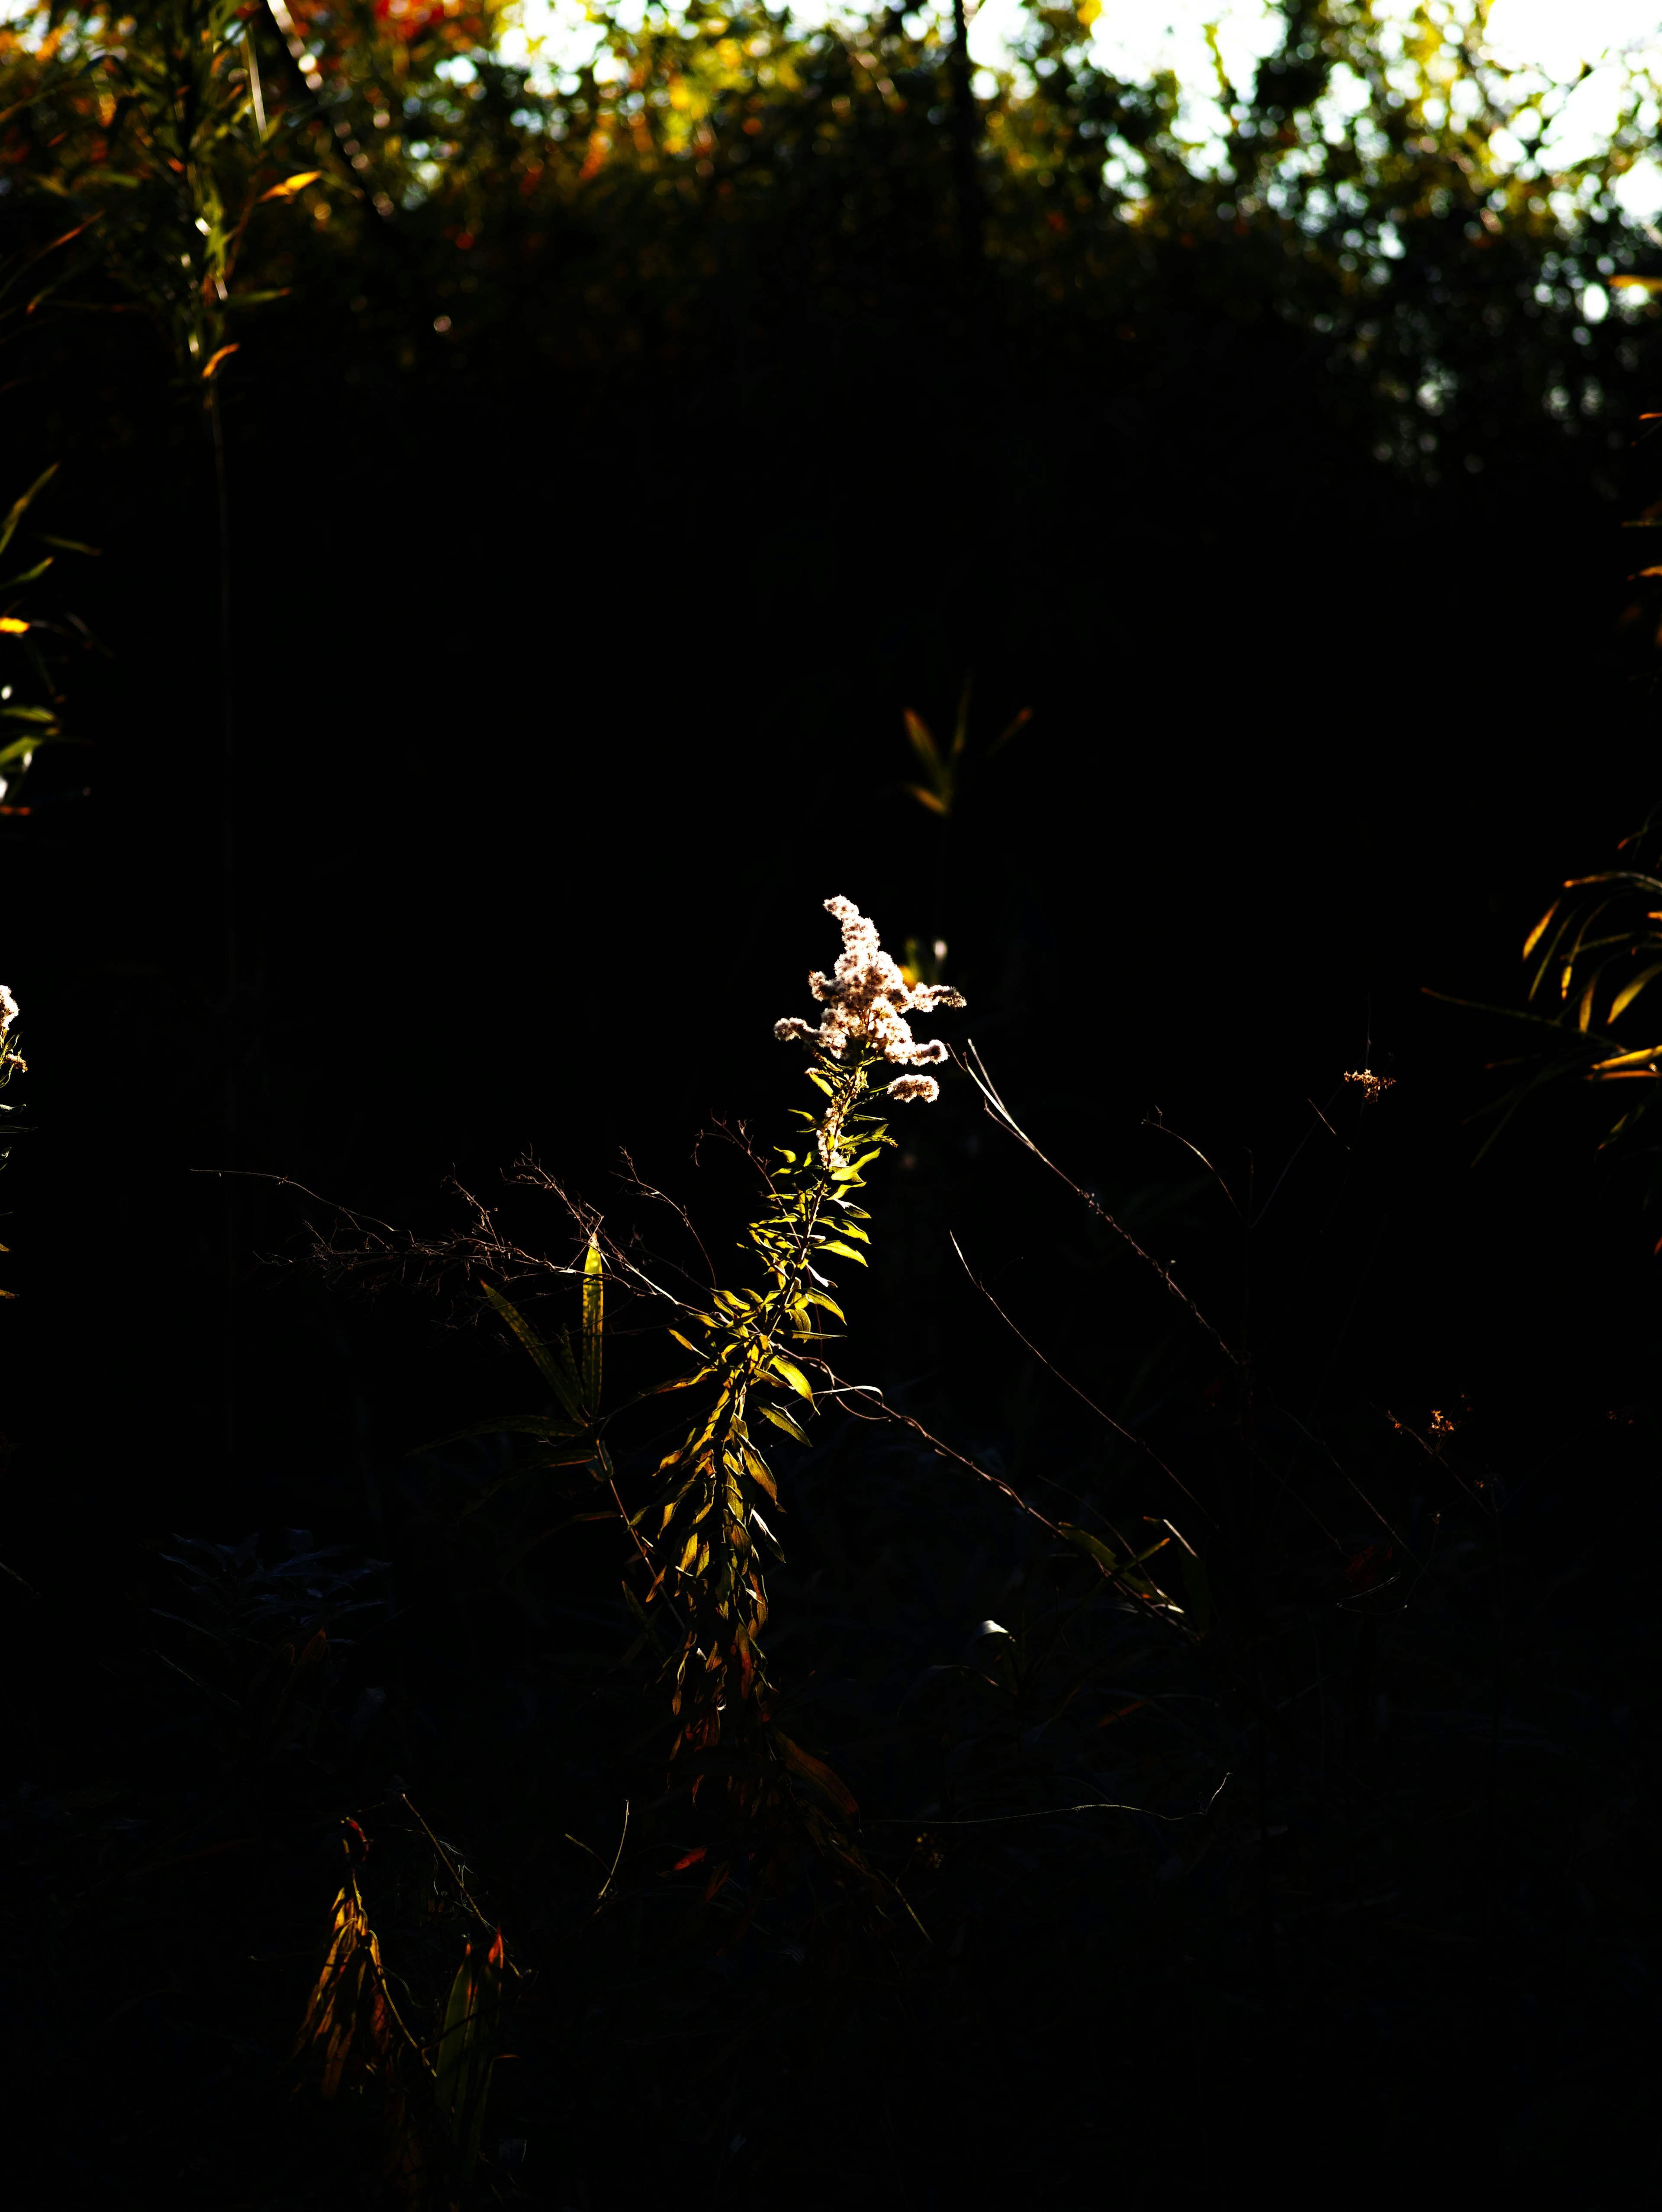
(788, 1371)
(464, 2061)
(594, 1316)
(924, 744)
(1009, 731)
(756, 1467)
(816, 1774)
(554, 1364)
(782, 1419)
(9, 528)
(518, 1424)
(674, 1383)
(845, 1251)
(1093, 1548)
(1624, 998)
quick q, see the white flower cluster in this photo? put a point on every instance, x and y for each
(866, 1000)
(9, 1010)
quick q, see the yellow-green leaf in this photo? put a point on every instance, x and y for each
(845, 1251)
(553, 1363)
(1624, 998)
(594, 1315)
(1539, 930)
(782, 1419)
(788, 1371)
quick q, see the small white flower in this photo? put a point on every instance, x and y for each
(9, 1009)
(923, 1088)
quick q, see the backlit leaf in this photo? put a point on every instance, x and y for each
(554, 1363)
(290, 186)
(831, 1786)
(788, 1371)
(1624, 998)
(782, 1419)
(594, 1316)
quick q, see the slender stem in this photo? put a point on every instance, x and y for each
(228, 870)
(964, 126)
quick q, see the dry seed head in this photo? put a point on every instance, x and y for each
(866, 1000)
(1373, 1086)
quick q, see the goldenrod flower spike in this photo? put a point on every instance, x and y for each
(866, 1000)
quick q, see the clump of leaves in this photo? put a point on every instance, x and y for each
(263, 1656)
(1596, 950)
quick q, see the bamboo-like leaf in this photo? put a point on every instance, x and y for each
(924, 744)
(756, 1467)
(554, 1363)
(788, 1371)
(815, 1772)
(1539, 930)
(1094, 1548)
(782, 1419)
(465, 2058)
(675, 1381)
(347, 2015)
(290, 186)
(1627, 1060)
(502, 1424)
(844, 1251)
(1009, 731)
(961, 726)
(1625, 998)
(19, 507)
(593, 1317)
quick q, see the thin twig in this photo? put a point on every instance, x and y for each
(450, 1866)
(646, 1557)
(1053, 1812)
(616, 1860)
(999, 1113)
(881, 1410)
(260, 1175)
(1107, 1419)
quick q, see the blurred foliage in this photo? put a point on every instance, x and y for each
(1365, 197)
(1594, 951)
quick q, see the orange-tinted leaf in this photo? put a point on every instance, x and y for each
(290, 186)
(831, 1786)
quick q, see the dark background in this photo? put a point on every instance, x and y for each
(557, 719)
(570, 648)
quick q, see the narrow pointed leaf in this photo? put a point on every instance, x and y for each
(554, 1363)
(782, 1419)
(594, 1315)
(1625, 998)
